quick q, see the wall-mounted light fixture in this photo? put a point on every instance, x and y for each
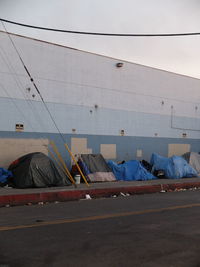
(119, 64)
(122, 132)
(19, 127)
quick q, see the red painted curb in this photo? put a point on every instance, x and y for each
(23, 199)
(186, 185)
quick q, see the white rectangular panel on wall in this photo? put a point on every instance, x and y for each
(13, 148)
(139, 153)
(108, 151)
(178, 149)
(79, 146)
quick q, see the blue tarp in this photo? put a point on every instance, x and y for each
(4, 175)
(175, 167)
(130, 170)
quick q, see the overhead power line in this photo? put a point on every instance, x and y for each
(102, 33)
(34, 84)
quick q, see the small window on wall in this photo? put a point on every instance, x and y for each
(19, 127)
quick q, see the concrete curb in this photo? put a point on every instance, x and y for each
(76, 194)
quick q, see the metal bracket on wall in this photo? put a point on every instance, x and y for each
(179, 128)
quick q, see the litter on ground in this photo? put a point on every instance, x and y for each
(87, 196)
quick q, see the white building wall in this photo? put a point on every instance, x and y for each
(139, 99)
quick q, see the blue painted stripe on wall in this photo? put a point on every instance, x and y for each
(126, 145)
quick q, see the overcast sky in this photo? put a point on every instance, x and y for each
(177, 54)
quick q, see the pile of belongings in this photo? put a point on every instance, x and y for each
(4, 176)
(174, 167)
(131, 170)
(193, 159)
(95, 168)
(36, 170)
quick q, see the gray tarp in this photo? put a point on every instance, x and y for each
(193, 159)
(98, 168)
(36, 170)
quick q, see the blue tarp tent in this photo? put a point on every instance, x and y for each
(4, 175)
(175, 167)
(130, 170)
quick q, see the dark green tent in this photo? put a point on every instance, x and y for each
(36, 170)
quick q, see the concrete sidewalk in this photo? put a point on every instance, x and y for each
(12, 196)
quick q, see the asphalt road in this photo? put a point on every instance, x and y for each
(155, 230)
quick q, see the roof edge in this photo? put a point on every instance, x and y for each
(76, 49)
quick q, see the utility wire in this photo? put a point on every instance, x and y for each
(28, 101)
(19, 84)
(102, 33)
(35, 86)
